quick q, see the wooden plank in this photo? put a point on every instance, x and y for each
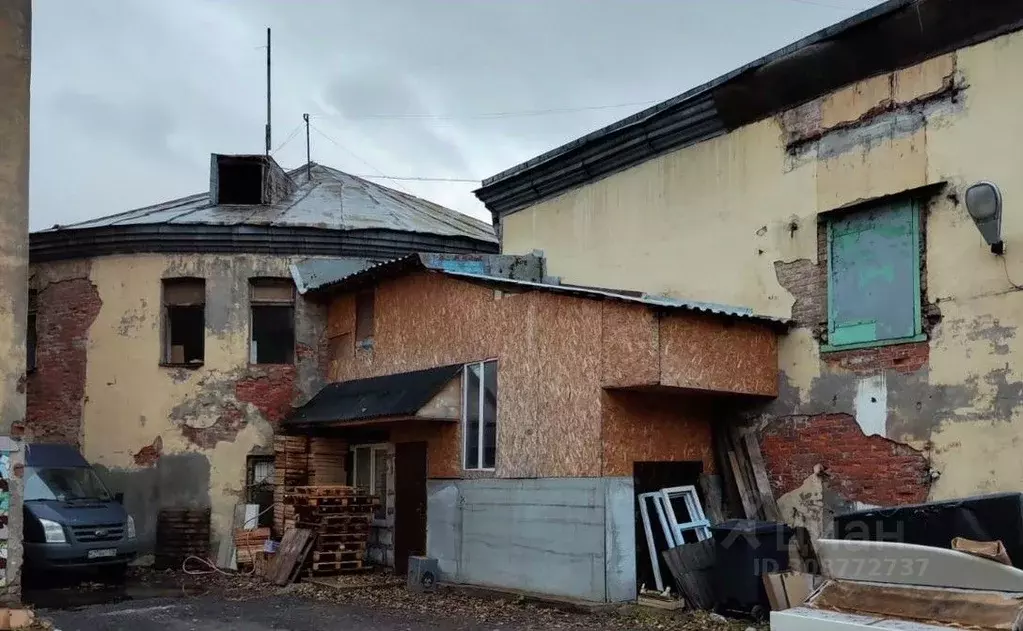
(713, 506)
(692, 567)
(749, 505)
(294, 548)
(965, 608)
(733, 503)
(763, 483)
(738, 445)
(302, 557)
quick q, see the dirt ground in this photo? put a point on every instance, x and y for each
(153, 601)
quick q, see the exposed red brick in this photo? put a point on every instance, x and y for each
(56, 389)
(869, 469)
(148, 455)
(871, 361)
(271, 392)
(228, 424)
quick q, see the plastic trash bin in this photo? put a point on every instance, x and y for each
(746, 550)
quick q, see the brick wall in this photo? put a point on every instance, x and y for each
(56, 388)
(868, 469)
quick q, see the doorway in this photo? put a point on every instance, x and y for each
(409, 503)
(648, 477)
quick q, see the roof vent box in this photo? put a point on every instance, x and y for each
(248, 180)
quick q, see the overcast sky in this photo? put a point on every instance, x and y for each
(129, 97)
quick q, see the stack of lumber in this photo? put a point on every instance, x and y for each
(327, 461)
(340, 516)
(743, 465)
(250, 546)
(181, 533)
(291, 468)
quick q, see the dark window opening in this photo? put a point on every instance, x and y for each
(30, 332)
(364, 316)
(260, 485)
(273, 335)
(184, 321)
(187, 335)
(273, 321)
(239, 181)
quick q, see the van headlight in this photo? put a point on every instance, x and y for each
(53, 531)
(131, 527)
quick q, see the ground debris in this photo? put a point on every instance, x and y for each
(464, 610)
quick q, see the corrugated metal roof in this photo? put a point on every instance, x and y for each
(416, 262)
(331, 200)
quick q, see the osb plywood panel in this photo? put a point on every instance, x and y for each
(630, 346)
(443, 449)
(548, 372)
(709, 353)
(655, 427)
(341, 316)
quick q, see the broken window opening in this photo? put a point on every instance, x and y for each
(260, 486)
(479, 416)
(184, 301)
(364, 317)
(874, 276)
(369, 472)
(30, 331)
(273, 321)
(239, 181)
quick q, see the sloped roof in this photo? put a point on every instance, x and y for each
(397, 395)
(331, 199)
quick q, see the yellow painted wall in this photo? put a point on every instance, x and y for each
(709, 222)
(132, 402)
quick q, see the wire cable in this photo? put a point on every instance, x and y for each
(485, 115)
(291, 136)
(412, 178)
(362, 160)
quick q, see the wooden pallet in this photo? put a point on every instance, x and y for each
(327, 568)
(370, 501)
(338, 556)
(348, 546)
(337, 523)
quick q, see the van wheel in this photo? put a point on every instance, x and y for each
(114, 574)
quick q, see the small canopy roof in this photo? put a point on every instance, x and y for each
(399, 395)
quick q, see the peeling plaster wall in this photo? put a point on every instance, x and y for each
(165, 436)
(15, 54)
(735, 220)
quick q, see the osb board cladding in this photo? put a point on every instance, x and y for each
(653, 426)
(549, 362)
(443, 449)
(708, 353)
(630, 353)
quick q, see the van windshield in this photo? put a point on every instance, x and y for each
(63, 484)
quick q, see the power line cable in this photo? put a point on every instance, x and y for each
(412, 178)
(360, 159)
(485, 115)
(291, 136)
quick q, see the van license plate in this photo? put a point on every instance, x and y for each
(102, 554)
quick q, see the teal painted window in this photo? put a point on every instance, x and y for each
(874, 276)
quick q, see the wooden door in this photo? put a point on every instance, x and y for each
(409, 503)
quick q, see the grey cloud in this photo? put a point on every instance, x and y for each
(166, 83)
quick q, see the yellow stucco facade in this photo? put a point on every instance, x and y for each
(166, 436)
(714, 221)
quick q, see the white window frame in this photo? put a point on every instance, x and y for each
(373, 449)
(465, 421)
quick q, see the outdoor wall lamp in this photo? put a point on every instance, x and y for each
(984, 203)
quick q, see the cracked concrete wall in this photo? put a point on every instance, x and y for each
(167, 436)
(735, 220)
(15, 55)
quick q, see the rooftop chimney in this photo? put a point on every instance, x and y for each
(247, 180)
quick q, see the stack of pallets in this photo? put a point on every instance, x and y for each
(181, 533)
(327, 461)
(291, 468)
(340, 516)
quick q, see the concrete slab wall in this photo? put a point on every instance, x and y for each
(15, 53)
(571, 537)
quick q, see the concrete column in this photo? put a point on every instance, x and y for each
(15, 54)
